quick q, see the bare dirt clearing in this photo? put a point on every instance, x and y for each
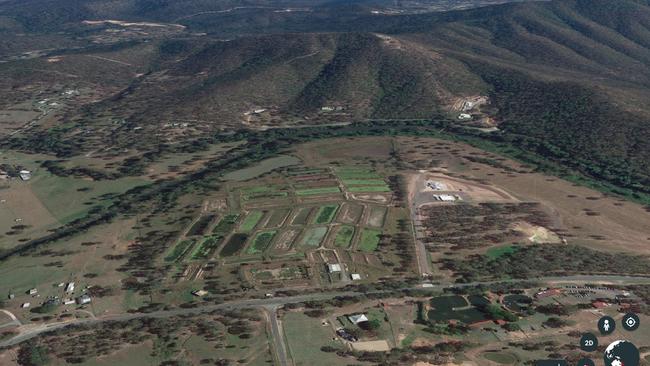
(537, 234)
(585, 216)
(372, 346)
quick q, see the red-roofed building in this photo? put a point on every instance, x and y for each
(599, 304)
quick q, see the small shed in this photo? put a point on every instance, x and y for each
(332, 268)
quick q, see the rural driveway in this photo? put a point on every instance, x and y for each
(277, 334)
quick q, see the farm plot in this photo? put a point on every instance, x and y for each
(362, 180)
(251, 221)
(207, 247)
(180, 250)
(302, 216)
(344, 236)
(369, 189)
(226, 225)
(262, 192)
(288, 273)
(304, 171)
(350, 213)
(356, 173)
(277, 218)
(312, 237)
(326, 214)
(369, 240)
(377, 216)
(317, 191)
(201, 225)
(285, 240)
(261, 242)
(234, 245)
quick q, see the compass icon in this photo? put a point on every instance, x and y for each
(630, 322)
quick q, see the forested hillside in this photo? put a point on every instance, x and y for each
(567, 79)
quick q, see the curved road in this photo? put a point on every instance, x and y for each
(14, 319)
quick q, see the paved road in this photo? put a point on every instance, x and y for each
(31, 331)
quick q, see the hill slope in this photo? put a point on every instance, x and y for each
(369, 75)
(569, 79)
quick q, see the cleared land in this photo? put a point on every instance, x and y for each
(305, 337)
(262, 167)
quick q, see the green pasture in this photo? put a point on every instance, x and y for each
(317, 191)
(326, 214)
(344, 236)
(313, 236)
(369, 240)
(251, 221)
(261, 242)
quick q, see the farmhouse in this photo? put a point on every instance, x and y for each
(436, 186)
(32, 291)
(25, 174)
(445, 197)
(83, 299)
(70, 287)
(25, 305)
(355, 276)
(358, 318)
(199, 293)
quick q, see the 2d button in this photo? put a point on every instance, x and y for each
(606, 325)
(588, 342)
(586, 362)
(630, 322)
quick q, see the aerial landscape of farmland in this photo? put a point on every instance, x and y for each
(325, 182)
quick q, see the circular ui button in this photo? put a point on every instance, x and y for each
(585, 362)
(588, 342)
(630, 322)
(621, 353)
(606, 325)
